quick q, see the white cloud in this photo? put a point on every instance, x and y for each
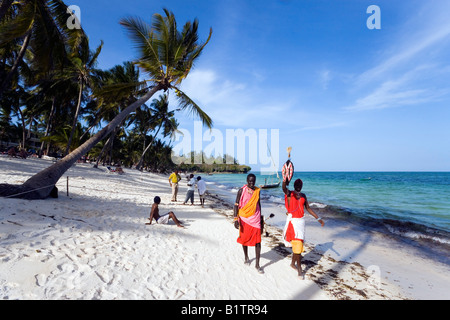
(408, 89)
(428, 30)
(206, 87)
(231, 103)
(411, 74)
(410, 51)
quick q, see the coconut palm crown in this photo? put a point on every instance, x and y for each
(168, 55)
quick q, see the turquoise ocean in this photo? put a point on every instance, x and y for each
(409, 205)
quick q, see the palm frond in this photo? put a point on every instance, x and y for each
(49, 36)
(19, 26)
(143, 37)
(94, 56)
(192, 56)
(188, 104)
(118, 91)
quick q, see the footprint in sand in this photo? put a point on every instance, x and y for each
(41, 280)
(107, 278)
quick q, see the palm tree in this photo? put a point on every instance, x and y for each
(56, 97)
(61, 136)
(142, 125)
(82, 69)
(4, 7)
(40, 25)
(167, 55)
(34, 42)
(161, 117)
(115, 90)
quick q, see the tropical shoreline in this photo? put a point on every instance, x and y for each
(94, 244)
(353, 241)
(415, 225)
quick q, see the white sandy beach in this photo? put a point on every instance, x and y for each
(94, 244)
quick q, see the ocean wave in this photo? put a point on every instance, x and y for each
(276, 200)
(399, 228)
(375, 218)
(280, 201)
(416, 231)
(318, 205)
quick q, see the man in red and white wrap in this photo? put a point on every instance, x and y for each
(294, 230)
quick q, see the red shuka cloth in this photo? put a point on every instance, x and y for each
(248, 235)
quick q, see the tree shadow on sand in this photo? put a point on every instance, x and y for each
(327, 272)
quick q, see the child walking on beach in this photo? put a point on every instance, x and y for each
(294, 230)
(164, 219)
(248, 207)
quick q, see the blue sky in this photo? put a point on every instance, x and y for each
(345, 97)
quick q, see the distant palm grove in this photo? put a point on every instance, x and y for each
(54, 101)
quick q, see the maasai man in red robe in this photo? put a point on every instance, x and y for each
(247, 218)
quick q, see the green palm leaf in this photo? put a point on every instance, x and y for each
(141, 34)
(187, 103)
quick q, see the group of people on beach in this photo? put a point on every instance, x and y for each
(174, 180)
(249, 221)
(247, 215)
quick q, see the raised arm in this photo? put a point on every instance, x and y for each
(285, 189)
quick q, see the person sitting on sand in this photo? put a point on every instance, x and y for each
(119, 170)
(164, 219)
(294, 230)
(248, 207)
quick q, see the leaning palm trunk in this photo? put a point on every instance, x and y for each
(40, 185)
